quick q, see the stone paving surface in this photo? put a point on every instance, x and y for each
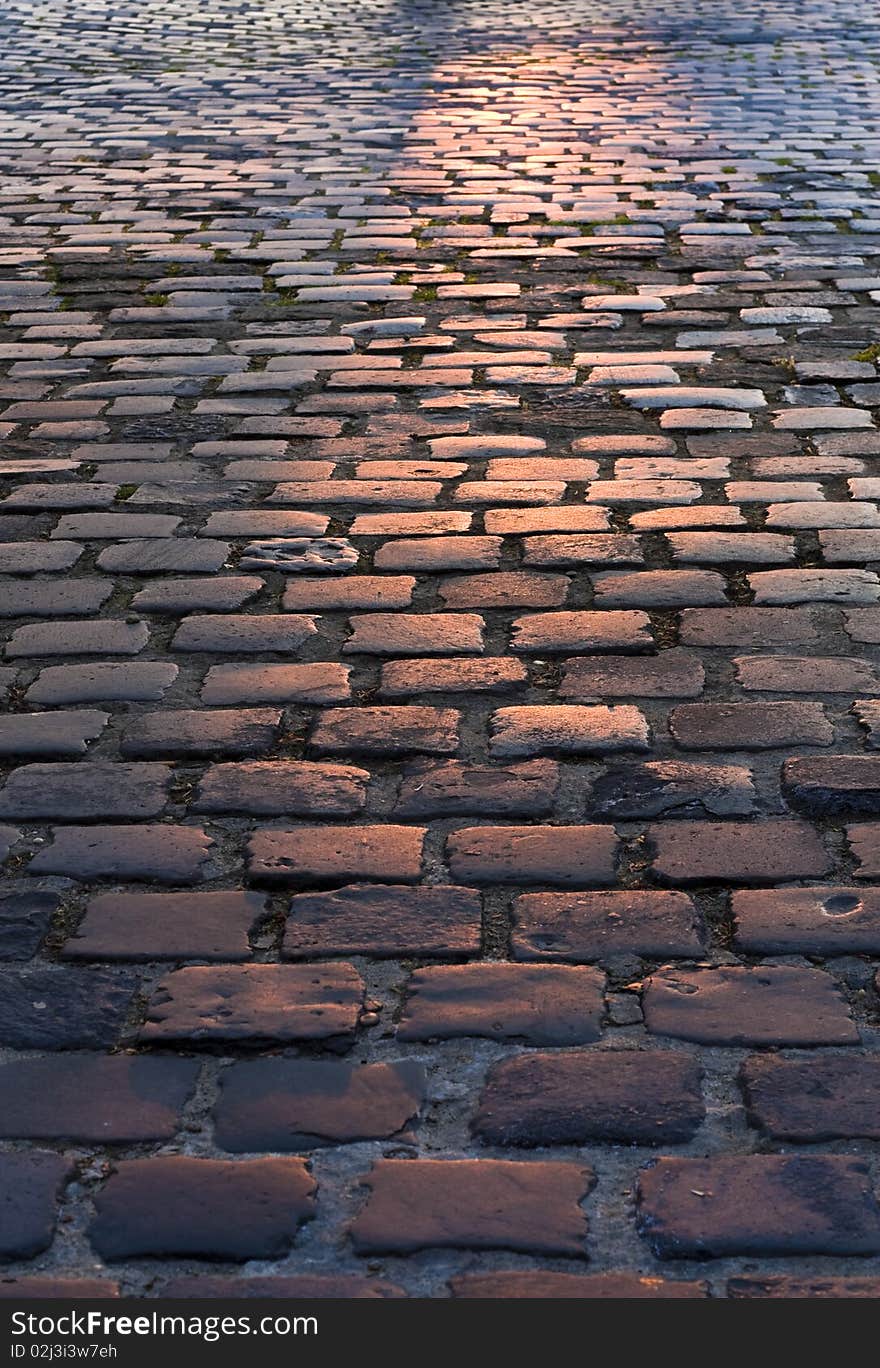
(440, 531)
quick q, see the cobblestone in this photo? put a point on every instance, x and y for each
(439, 557)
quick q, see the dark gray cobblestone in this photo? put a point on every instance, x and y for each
(439, 551)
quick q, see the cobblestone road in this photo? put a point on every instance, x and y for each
(440, 768)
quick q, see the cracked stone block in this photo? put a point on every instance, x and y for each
(301, 555)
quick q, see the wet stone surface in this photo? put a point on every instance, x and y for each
(439, 545)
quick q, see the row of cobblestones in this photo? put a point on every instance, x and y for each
(439, 536)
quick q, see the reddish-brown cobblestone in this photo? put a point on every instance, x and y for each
(439, 533)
